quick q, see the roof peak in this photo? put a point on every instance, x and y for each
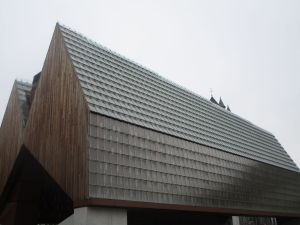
(221, 103)
(213, 100)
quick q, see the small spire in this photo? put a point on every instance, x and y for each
(221, 103)
(228, 108)
(213, 100)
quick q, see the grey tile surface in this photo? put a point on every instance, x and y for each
(128, 162)
(117, 87)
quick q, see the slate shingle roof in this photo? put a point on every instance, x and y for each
(119, 88)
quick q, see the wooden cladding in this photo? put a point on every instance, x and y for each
(11, 136)
(56, 131)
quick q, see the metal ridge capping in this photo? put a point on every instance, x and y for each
(135, 94)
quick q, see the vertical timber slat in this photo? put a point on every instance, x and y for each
(11, 136)
(56, 131)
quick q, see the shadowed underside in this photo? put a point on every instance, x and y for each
(31, 196)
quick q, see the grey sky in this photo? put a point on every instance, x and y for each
(248, 52)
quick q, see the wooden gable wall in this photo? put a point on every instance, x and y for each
(11, 136)
(56, 130)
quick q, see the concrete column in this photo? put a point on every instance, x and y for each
(235, 220)
(97, 216)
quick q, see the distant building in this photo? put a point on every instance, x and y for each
(99, 139)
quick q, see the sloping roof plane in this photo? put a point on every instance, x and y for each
(119, 88)
(24, 90)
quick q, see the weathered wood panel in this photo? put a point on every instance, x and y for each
(56, 131)
(11, 136)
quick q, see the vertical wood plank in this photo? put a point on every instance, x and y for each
(56, 131)
(11, 136)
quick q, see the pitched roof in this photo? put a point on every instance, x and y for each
(228, 108)
(213, 100)
(24, 90)
(119, 88)
(221, 103)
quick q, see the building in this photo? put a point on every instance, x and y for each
(99, 139)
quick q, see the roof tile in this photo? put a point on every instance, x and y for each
(117, 87)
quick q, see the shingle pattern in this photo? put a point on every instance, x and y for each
(119, 88)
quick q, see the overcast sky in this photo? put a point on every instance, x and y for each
(248, 52)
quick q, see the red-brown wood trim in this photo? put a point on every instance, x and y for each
(149, 205)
